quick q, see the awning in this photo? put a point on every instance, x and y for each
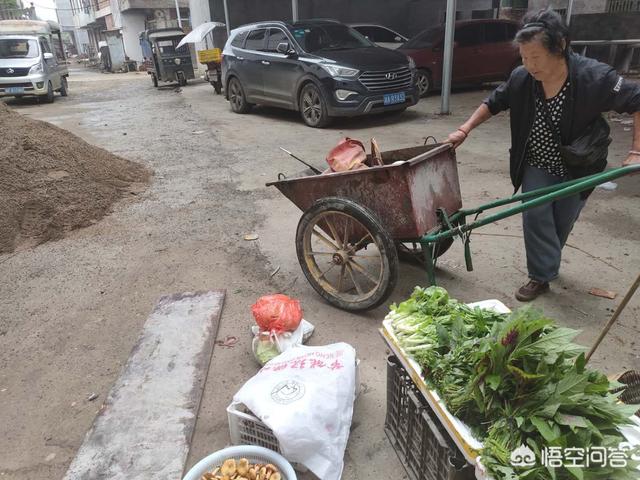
(197, 34)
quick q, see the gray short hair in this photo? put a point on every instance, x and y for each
(548, 27)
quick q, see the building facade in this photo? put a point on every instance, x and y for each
(115, 25)
(18, 11)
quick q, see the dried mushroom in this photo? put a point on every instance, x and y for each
(243, 470)
(243, 467)
(229, 467)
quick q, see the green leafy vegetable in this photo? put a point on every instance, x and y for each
(515, 380)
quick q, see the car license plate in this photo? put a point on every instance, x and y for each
(393, 98)
(14, 90)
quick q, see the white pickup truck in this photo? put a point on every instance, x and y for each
(32, 60)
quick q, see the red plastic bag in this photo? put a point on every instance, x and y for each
(349, 154)
(277, 313)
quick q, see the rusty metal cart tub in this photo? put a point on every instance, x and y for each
(355, 224)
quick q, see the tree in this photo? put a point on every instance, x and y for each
(9, 4)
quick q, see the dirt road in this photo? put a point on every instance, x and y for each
(71, 310)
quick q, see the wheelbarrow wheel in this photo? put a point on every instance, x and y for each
(346, 254)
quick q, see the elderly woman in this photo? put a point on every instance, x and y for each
(556, 98)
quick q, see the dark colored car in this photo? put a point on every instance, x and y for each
(321, 68)
(483, 52)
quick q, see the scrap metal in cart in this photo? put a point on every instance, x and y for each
(356, 224)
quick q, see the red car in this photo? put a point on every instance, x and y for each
(483, 52)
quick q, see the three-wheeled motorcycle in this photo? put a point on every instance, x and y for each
(164, 59)
(214, 36)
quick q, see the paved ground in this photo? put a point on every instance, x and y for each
(71, 310)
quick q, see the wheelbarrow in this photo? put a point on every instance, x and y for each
(354, 223)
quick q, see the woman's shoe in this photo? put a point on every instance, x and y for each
(532, 290)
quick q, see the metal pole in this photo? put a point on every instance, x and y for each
(226, 17)
(294, 10)
(569, 11)
(178, 15)
(448, 56)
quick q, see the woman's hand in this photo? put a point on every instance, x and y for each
(632, 159)
(456, 138)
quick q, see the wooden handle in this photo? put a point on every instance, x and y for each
(615, 316)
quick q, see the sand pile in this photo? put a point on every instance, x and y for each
(52, 181)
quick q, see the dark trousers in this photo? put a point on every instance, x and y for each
(547, 227)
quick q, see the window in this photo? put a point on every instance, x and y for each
(44, 45)
(469, 35)
(168, 47)
(238, 40)
(617, 6)
(488, 13)
(382, 35)
(426, 39)
(18, 48)
(366, 31)
(313, 38)
(495, 33)
(276, 36)
(256, 40)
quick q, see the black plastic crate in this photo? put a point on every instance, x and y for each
(417, 435)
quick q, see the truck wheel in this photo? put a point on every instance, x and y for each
(182, 81)
(154, 80)
(49, 98)
(64, 87)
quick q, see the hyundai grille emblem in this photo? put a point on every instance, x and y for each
(391, 76)
(10, 71)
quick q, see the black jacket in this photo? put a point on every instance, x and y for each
(594, 88)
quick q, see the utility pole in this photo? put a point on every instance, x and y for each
(569, 11)
(178, 15)
(294, 10)
(57, 14)
(226, 17)
(447, 63)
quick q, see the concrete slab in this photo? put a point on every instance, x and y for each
(144, 427)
